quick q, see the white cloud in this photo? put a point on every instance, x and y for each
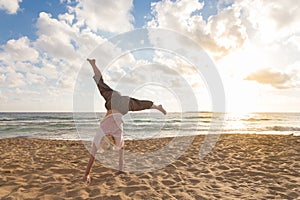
(106, 15)
(247, 36)
(3, 97)
(294, 40)
(261, 22)
(87, 41)
(24, 93)
(19, 50)
(54, 58)
(220, 34)
(15, 79)
(35, 79)
(66, 81)
(18, 91)
(270, 20)
(2, 79)
(11, 6)
(174, 15)
(65, 45)
(66, 40)
(61, 47)
(277, 79)
(175, 63)
(66, 17)
(66, 1)
(47, 68)
(55, 37)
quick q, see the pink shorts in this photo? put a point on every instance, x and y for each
(110, 125)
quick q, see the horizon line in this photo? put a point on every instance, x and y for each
(202, 111)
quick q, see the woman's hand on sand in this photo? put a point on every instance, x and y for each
(86, 179)
(120, 172)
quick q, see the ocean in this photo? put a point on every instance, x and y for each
(143, 125)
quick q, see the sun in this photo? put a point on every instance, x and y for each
(241, 97)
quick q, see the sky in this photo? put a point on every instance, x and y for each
(254, 44)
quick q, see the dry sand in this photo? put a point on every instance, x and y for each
(239, 167)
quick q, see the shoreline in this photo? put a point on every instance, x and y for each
(239, 167)
(196, 135)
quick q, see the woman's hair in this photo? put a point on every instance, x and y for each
(107, 142)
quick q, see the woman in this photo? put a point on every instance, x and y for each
(117, 106)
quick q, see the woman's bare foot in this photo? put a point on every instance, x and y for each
(160, 108)
(91, 61)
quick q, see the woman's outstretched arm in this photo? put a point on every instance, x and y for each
(86, 177)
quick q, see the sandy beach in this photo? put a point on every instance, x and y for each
(239, 167)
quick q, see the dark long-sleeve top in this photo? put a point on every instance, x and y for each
(114, 100)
